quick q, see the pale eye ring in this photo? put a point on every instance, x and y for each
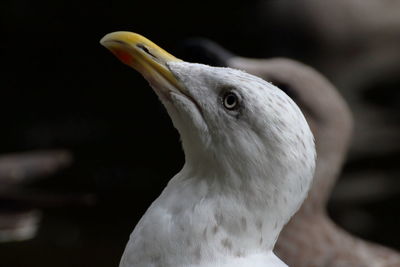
(230, 100)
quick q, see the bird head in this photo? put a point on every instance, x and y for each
(232, 124)
(326, 111)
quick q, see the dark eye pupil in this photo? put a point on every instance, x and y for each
(230, 101)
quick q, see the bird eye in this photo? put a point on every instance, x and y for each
(230, 101)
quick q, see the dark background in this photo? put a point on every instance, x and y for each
(61, 89)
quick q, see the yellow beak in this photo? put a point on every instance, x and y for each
(144, 56)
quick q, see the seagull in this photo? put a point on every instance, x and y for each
(310, 238)
(249, 162)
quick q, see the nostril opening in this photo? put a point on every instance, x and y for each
(145, 49)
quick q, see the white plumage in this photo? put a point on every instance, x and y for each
(249, 162)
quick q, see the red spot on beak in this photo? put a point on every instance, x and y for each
(124, 56)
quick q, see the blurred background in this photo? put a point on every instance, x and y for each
(86, 146)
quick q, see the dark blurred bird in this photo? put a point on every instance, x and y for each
(310, 238)
(19, 216)
(249, 162)
(20, 207)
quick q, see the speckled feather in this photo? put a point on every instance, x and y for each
(311, 238)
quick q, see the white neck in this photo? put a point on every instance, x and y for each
(227, 219)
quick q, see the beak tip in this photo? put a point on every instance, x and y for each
(106, 38)
(102, 42)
